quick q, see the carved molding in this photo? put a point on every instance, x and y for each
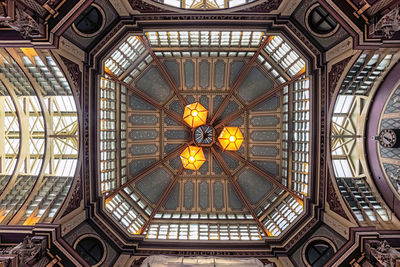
(144, 7)
(382, 252)
(335, 74)
(76, 197)
(265, 7)
(333, 79)
(333, 200)
(75, 75)
(268, 6)
(299, 235)
(23, 23)
(304, 39)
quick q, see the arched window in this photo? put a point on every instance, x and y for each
(318, 252)
(90, 22)
(320, 21)
(90, 249)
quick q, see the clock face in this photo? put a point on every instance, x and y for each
(388, 138)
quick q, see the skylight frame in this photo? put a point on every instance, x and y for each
(196, 43)
(42, 97)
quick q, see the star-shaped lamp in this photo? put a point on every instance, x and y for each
(231, 138)
(192, 158)
(195, 115)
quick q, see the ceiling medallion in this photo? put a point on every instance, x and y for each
(204, 135)
(195, 115)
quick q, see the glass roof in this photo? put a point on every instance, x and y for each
(39, 124)
(247, 79)
(204, 4)
(348, 159)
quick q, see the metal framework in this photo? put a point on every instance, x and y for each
(147, 218)
(348, 160)
(40, 125)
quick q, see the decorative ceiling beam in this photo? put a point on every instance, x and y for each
(240, 79)
(148, 99)
(148, 170)
(264, 174)
(238, 190)
(164, 71)
(162, 199)
(259, 100)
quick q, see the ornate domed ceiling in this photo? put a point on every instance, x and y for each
(234, 128)
(251, 80)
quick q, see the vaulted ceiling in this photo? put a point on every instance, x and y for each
(93, 95)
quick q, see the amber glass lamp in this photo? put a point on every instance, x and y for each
(195, 115)
(231, 138)
(192, 158)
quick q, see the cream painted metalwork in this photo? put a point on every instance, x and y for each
(347, 145)
(38, 119)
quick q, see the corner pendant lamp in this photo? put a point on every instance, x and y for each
(195, 115)
(231, 138)
(192, 158)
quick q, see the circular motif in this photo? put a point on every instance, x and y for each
(318, 252)
(389, 138)
(204, 134)
(91, 249)
(320, 22)
(90, 22)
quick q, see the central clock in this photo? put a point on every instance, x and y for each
(389, 138)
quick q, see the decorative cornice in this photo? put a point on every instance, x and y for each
(265, 7)
(333, 200)
(303, 38)
(301, 234)
(144, 7)
(76, 197)
(75, 75)
(335, 74)
(333, 79)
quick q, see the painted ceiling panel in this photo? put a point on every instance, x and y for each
(254, 185)
(270, 167)
(172, 67)
(172, 202)
(254, 85)
(136, 103)
(153, 184)
(136, 166)
(153, 84)
(234, 201)
(270, 104)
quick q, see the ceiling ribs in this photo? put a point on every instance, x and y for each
(238, 190)
(46, 156)
(162, 199)
(259, 100)
(264, 174)
(240, 79)
(164, 71)
(148, 99)
(148, 170)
